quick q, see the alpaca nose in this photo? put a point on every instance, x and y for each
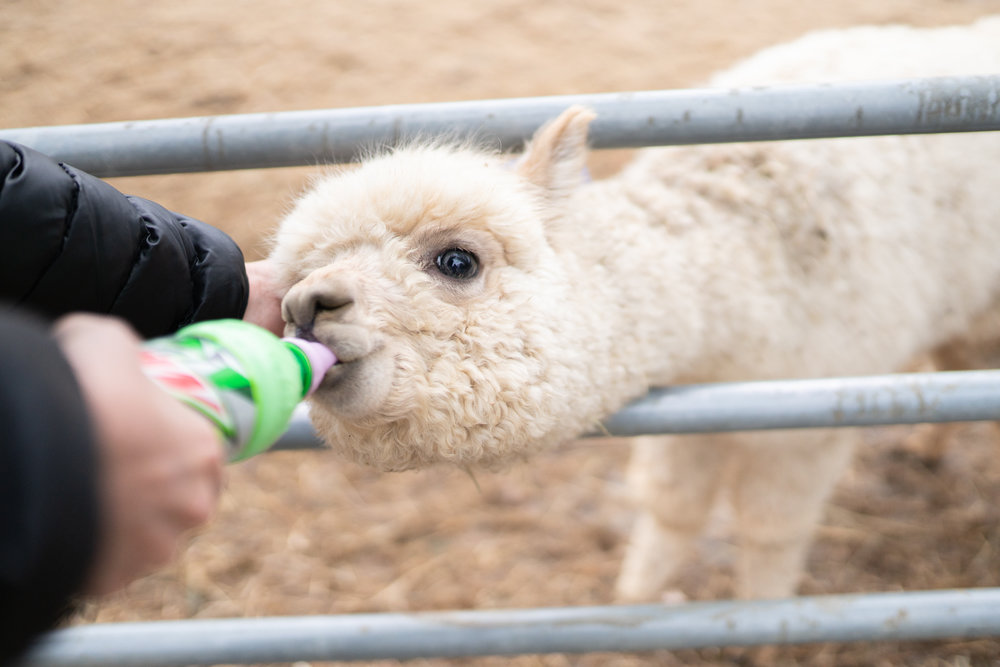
(306, 302)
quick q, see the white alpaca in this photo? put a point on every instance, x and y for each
(482, 312)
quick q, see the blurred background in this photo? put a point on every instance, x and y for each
(304, 533)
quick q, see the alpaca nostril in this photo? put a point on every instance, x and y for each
(304, 303)
(331, 302)
(297, 310)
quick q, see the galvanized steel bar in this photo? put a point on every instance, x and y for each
(904, 398)
(625, 120)
(836, 618)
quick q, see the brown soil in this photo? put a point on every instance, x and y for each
(304, 533)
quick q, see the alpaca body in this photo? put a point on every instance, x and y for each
(484, 311)
(825, 258)
(795, 259)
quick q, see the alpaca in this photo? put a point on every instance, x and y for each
(482, 311)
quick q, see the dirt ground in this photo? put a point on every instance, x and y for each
(304, 533)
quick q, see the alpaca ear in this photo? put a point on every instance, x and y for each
(555, 158)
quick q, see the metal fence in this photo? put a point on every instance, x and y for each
(873, 400)
(625, 120)
(453, 634)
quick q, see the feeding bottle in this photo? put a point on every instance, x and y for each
(243, 378)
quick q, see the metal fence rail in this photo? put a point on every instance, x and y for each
(880, 616)
(904, 398)
(625, 120)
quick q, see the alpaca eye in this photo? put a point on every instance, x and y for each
(457, 263)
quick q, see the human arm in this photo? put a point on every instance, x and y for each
(101, 472)
(160, 461)
(264, 304)
(71, 242)
(48, 491)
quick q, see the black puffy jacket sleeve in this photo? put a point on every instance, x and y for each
(69, 241)
(48, 483)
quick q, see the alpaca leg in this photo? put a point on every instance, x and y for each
(781, 481)
(929, 442)
(673, 481)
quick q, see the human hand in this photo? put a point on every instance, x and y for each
(160, 462)
(264, 304)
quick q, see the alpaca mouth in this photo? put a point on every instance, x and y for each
(348, 342)
(355, 387)
(353, 345)
(334, 375)
(342, 372)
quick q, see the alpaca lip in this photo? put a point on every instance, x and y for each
(333, 375)
(345, 353)
(353, 354)
(348, 342)
(305, 333)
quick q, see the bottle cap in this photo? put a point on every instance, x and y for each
(320, 359)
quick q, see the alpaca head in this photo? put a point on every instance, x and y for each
(430, 272)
